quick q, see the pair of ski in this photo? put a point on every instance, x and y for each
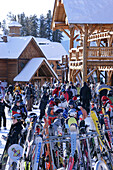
(102, 139)
(26, 159)
(19, 157)
(72, 123)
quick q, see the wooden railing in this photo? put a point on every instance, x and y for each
(94, 53)
(100, 51)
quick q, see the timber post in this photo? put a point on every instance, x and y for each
(85, 53)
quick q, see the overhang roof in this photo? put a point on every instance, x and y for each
(53, 50)
(82, 12)
(30, 69)
(89, 11)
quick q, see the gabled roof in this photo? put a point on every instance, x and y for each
(83, 12)
(53, 50)
(31, 67)
(16, 45)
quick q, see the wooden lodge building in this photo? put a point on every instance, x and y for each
(25, 59)
(91, 24)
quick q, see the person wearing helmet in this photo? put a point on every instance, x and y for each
(19, 108)
(107, 106)
(15, 130)
(64, 103)
(72, 113)
(65, 94)
(71, 104)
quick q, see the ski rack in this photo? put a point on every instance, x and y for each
(63, 137)
(79, 136)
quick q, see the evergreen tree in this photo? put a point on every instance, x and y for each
(48, 25)
(11, 16)
(57, 36)
(21, 20)
(34, 26)
(42, 30)
(30, 26)
(4, 27)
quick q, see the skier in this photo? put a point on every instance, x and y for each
(64, 103)
(2, 111)
(73, 89)
(85, 97)
(17, 96)
(19, 108)
(16, 128)
(43, 103)
(29, 96)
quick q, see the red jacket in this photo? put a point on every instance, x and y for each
(56, 91)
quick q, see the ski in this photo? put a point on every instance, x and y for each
(26, 156)
(4, 158)
(72, 123)
(38, 143)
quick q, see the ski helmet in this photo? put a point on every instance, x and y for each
(62, 98)
(72, 112)
(16, 116)
(71, 102)
(32, 115)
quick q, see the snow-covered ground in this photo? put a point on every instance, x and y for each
(8, 125)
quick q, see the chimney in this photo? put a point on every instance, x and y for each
(4, 38)
(14, 29)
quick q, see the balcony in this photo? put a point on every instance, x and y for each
(97, 56)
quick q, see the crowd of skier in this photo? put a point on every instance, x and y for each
(61, 105)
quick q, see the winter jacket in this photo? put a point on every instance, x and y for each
(2, 107)
(20, 110)
(29, 93)
(43, 102)
(70, 93)
(74, 90)
(85, 93)
(56, 91)
(15, 133)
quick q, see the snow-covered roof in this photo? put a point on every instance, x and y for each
(31, 68)
(41, 40)
(14, 24)
(14, 47)
(89, 11)
(53, 50)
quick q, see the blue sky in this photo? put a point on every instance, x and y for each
(32, 7)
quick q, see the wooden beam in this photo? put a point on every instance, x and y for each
(85, 53)
(92, 30)
(79, 28)
(102, 75)
(65, 32)
(72, 29)
(40, 77)
(75, 36)
(91, 72)
(77, 72)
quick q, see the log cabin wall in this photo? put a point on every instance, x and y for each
(31, 51)
(8, 69)
(12, 69)
(3, 69)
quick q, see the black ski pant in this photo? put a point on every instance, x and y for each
(42, 113)
(2, 115)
